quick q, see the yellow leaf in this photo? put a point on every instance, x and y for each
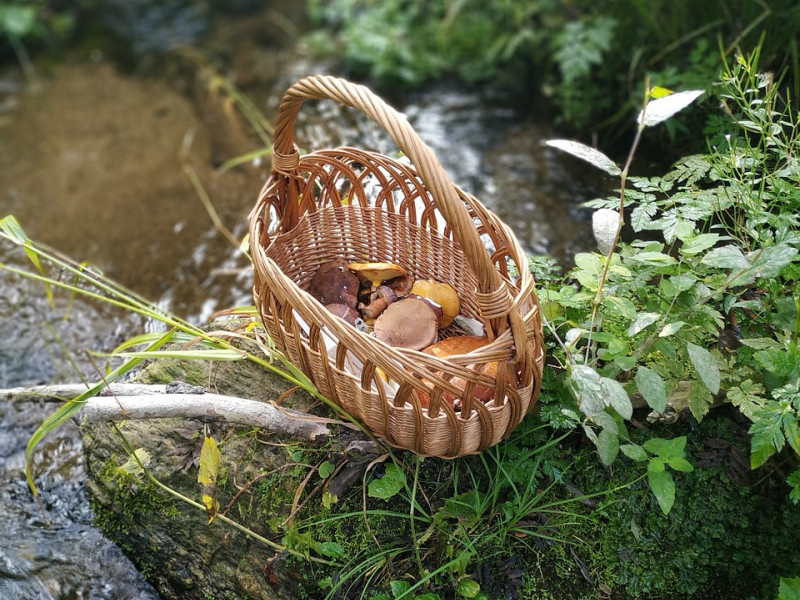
(207, 476)
(659, 92)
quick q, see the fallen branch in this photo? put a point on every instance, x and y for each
(136, 401)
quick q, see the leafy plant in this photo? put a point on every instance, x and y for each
(583, 55)
(599, 396)
(700, 306)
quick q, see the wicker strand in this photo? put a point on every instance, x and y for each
(286, 164)
(494, 305)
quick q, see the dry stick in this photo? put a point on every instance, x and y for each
(133, 401)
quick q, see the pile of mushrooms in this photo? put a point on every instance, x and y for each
(385, 300)
(382, 298)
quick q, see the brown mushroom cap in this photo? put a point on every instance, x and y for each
(333, 283)
(377, 272)
(348, 313)
(442, 294)
(436, 308)
(408, 323)
(401, 285)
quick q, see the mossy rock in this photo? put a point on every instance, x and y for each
(172, 542)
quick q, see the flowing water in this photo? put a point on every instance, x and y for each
(97, 162)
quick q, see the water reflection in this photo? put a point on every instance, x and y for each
(69, 558)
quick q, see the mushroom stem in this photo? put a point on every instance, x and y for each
(380, 299)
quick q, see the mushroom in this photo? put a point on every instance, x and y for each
(436, 307)
(442, 294)
(381, 299)
(333, 283)
(344, 311)
(452, 346)
(458, 345)
(408, 323)
(401, 285)
(377, 272)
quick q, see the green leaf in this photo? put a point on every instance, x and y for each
(393, 480)
(591, 155)
(761, 343)
(671, 328)
(329, 499)
(606, 421)
(590, 261)
(652, 388)
(326, 469)
(642, 215)
(607, 446)
(12, 228)
(760, 452)
(666, 448)
(223, 354)
(663, 486)
(621, 306)
(634, 451)
(462, 507)
(587, 388)
(331, 549)
(698, 243)
(680, 464)
(642, 321)
(794, 482)
(17, 21)
(783, 361)
(699, 400)
(748, 397)
(792, 431)
(653, 259)
(617, 397)
(135, 464)
(767, 431)
(468, 588)
(706, 366)
(770, 261)
(726, 257)
(399, 587)
(789, 589)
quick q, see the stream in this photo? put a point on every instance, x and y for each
(96, 163)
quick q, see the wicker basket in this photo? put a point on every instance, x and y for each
(364, 206)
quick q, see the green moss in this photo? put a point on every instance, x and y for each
(720, 540)
(169, 370)
(132, 496)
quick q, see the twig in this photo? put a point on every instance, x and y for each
(136, 401)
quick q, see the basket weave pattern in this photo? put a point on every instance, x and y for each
(364, 206)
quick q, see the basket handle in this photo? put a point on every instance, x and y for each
(493, 297)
